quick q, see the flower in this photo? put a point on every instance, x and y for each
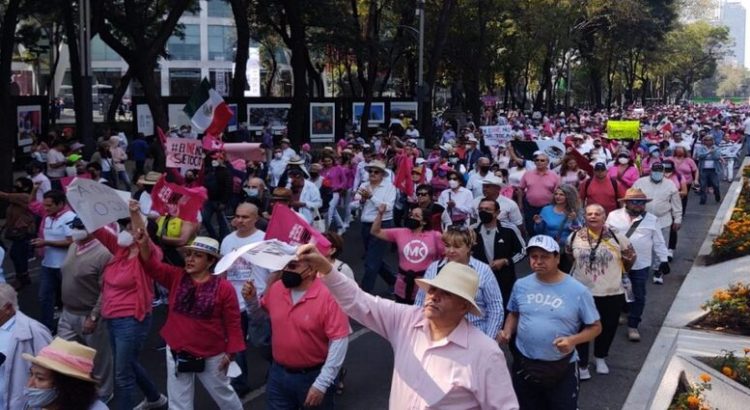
(693, 401)
(705, 378)
(727, 371)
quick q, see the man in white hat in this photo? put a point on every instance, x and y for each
(508, 208)
(643, 231)
(440, 360)
(370, 196)
(550, 313)
(472, 154)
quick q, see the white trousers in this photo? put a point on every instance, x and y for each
(181, 386)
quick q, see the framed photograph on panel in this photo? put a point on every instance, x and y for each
(407, 108)
(322, 121)
(276, 114)
(29, 123)
(377, 113)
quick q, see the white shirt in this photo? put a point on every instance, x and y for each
(310, 195)
(665, 203)
(746, 124)
(6, 334)
(55, 157)
(275, 168)
(412, 133)
(464, 203)
(45, 186)
(56, 229)
(646, 238)
(242, 270)
(475, 184)
(509, 211)
(288, 154)
(385, 193)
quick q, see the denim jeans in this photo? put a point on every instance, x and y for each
(709, 177)
(532, 396)
(127, 335)
(374, 253)
(638, 277)
(287, 391)
(49, 286)
(211, 208)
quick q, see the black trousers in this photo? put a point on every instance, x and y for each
(609, 308)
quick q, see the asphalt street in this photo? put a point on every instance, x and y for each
(369, 360)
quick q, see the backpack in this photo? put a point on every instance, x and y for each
(611, 179)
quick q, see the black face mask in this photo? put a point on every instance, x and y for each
(634, 212)
(313, 175)
(18, 189)
(291, 279)
(412, 223)
(484, 169)
(486, 217)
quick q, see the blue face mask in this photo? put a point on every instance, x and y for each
(657, 176)
(39, 397)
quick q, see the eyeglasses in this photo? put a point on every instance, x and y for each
(374, 171)
(637, 201)
(423, 194)
(295, 175)
(540, 160)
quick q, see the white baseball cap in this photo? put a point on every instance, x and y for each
(544, 242)
(491, 179)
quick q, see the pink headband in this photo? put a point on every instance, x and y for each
(77, 363)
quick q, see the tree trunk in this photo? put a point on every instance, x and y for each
(75, 61)
(300, 99)
(117, 95)
(7, 114)
(272, 74)
(436, 54)
(239, 81)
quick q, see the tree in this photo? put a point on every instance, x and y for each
(10, 14)
(138, 31)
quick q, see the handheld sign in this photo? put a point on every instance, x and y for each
(623, 130)
(184, 153)
(268, 254)
(96, 204)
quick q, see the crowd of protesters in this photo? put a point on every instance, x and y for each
(596, 222)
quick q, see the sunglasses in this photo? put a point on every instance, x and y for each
(295, 175)
(423, 194)
(637, 201)
(374, 171)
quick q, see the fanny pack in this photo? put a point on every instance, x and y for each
(187, 363)
(544, 373)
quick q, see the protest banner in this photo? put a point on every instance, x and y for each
(729, 149)
(96, 204)
(270, 254)
(496, 134)
(555, 150)
(184, 153)
(288, 226)
(244, 150)
(621, 130)
(176, 200)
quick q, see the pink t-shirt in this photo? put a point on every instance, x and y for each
(416, 251)
(539, 188)
(685, 168)
(628, 177)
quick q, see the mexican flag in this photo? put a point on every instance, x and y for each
(208, 112)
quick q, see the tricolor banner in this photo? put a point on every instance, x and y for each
(207, 110)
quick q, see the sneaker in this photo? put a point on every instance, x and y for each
(145, 404)
(658, 280)
(634, 335)
(623, 320)
(584, 373)
(601, 366)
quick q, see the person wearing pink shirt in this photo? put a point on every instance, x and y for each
(624, 170)
(537, 186)
(336, 178)
(418, 246)
(440, 360)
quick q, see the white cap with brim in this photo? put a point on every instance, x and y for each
(458, 279)
(492, 180)
(544, 242)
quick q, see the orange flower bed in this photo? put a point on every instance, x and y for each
(690, 395)
(728, 310)
(734, 240)
(733, 366)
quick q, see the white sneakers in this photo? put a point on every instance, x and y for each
(601, 366)
(634, 335)
(658, 280)
(584, 373)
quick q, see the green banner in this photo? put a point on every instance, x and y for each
(621, 130)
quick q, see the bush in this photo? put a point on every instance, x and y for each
(691, 397)
(734, 240)
(729, 309)
(734, 367)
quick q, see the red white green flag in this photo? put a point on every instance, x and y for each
(208, 112)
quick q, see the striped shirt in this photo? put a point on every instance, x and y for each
(488, 298)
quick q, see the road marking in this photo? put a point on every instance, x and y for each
(262, 389)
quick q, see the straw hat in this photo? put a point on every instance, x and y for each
(635, 194)
(149, 179)
(204, 244)
(458, 279)
(64, 357)
(375, 164)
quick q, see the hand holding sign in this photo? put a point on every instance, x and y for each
(96, 204)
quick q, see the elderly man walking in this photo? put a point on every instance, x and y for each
(666, 204)
(441, 361)
(537, 185)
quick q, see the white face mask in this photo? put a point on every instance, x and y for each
(453, 184)
(214, 163)
(78, 234)
(623, 160)
(277, 155)
(124, 239)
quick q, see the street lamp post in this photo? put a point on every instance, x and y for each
(85, 129)
(420, 70)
